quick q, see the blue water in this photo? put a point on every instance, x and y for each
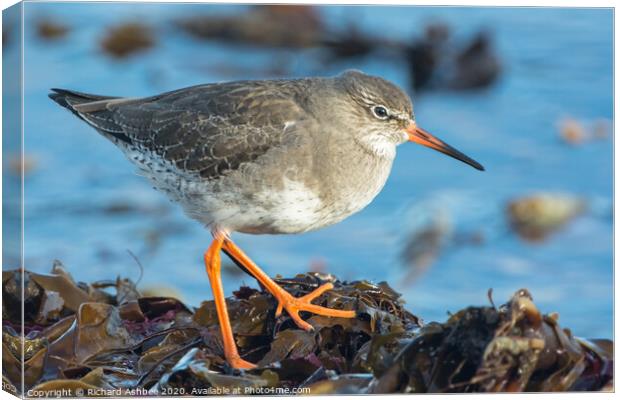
(558, 62)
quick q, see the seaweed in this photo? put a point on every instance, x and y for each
(126, 39)
(104, 338)
(534, 218)
(284, 26)
(513, 348)
(50, 29)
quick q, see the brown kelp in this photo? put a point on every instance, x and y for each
(104, 338)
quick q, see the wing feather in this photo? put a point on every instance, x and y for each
(209, 130)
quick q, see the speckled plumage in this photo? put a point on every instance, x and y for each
(272, 156)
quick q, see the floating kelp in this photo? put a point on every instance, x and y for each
(576, 132)
(50, 29)
(289, 26)
(105, 339)
(535, 217)
(424, 245)
(438, 62)
(435, 60)
(123, 40)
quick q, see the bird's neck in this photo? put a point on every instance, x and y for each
(356, 171)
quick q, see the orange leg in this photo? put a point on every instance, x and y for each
(286, 301)
(213, 265)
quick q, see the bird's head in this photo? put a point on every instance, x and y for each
(386, 114)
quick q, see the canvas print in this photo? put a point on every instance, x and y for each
(298, 199)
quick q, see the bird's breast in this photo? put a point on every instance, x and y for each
(295, 206)
(354, 186)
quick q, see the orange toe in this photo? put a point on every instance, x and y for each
(294, 306)
(285, 300)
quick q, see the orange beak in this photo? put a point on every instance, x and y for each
(420, 136)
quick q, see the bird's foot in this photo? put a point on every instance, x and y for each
(293, 305)
(237, 362)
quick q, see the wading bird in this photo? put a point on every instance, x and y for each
(263, 157)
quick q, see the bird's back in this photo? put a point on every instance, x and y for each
(207, 130)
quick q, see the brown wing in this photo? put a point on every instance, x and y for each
(207, 129)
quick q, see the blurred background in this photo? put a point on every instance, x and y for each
(525, 91)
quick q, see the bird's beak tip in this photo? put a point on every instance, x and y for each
(420, 136)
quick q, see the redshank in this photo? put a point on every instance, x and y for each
(270, 156)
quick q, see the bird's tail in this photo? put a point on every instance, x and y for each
(93, 109)
(69, 99)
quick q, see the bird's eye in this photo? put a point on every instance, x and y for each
(380, 112)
